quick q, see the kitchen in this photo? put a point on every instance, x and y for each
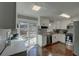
(25, 28)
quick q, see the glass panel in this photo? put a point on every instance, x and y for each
(33, 33)
(33, 41)
(27, 43)
(32, 30)
(24, 30)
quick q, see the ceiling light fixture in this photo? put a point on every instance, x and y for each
(49, 24)
(64, 15)
(36, 8)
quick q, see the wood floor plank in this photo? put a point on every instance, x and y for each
(57, 49)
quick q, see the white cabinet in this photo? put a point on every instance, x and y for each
(60, 24)
(58, 37)
(39, 41)
(56, 25)
(44, 40)
(54, 38)
(44, 22)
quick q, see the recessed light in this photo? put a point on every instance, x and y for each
(64, 15)
(49, 24)
(36, 8)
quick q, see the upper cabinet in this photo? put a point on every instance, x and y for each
(60, 24)
(44, 21)
(7, 15)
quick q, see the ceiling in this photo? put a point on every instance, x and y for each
(50, 10)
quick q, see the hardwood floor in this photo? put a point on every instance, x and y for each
(58, 49)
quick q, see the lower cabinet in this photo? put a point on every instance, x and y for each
(44, 40)
(58, 37)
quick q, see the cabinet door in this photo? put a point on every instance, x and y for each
(44, 22)
(44, 40)
(54, 38)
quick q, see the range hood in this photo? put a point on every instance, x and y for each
(44, 27)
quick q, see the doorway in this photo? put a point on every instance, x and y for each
(49, 39)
